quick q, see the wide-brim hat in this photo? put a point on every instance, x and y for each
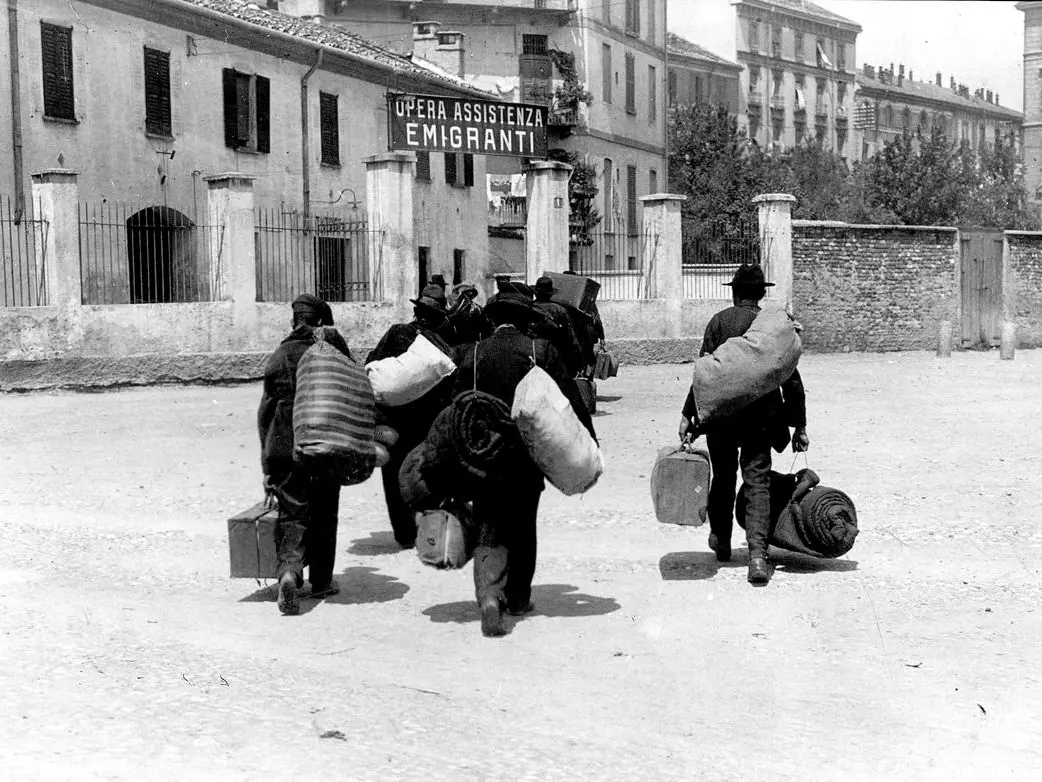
(513, 303)
(749, 276)
(432, 299)
(544, 285)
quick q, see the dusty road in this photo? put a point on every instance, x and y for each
(127, 653)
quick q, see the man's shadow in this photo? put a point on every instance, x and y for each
(551, 600)
(699, 565)
(377, 544)
(358, 585)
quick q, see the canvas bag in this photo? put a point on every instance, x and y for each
(402, 379)
(555, 438)
(334, 416)
(445, 538)
(746, 368)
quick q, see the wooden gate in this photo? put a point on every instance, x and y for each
(981, 287)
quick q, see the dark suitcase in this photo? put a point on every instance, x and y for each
(574, 291)
(588, 392)
(680, 486)
(251, 542)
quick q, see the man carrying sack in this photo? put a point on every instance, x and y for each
(744, 438)
(308, 505)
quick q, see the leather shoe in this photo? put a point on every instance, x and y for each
(722, 550)
(521, 610)
(492, 619)
(758, 572)
(331, 587)
(287, 595)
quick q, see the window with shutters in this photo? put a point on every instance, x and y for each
(652, 181)
(799, 47)
(652, 94)
(652, 21)
(633, 17)
(459, 169)
(157, 93)
(754, 35)
(776, 36)
(606, 72)
(606, 10)
(58, 96)
(423, 166)
(247, 111)
(329, 128)
(631, 200)
(609, 193)
(631, 85)
(672, 88)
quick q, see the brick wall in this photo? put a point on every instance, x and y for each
(874, 288)
(1023, 282)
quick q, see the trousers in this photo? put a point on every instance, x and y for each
(751, 453)
(305, 531)
(403, 518)
(504, 559)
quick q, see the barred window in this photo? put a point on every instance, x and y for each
(534, 44)
(58, 96)
(157, 92)
(329, 128)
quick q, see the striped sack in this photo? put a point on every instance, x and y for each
(334, 416)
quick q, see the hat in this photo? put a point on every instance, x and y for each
(433, 298)
(439, 279)
(512, 304)
(544, 284)
(313, 305)
(749, 276)
(464, 286)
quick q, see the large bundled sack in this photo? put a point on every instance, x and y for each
(680, 485)
(806, 517)
(399, 380)
(334, 416)
(446, 537)
(556, 440)
(746, 368)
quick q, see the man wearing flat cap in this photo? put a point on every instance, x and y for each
(745, 438)
(412, 421)
(505, 557)
(306, 526)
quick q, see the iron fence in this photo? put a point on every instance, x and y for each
(326, 255)
(614, 259)
(147, 255)
(714, 250)
(509, 212)
(23, 256)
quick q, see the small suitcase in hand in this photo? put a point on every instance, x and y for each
(680, 485)
(251, 542)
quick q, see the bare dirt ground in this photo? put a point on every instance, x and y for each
(127, 652)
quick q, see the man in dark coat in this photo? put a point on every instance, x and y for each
(505, 557)
(745, 438)
(411, 421)
(557, 326)
(466, 317)
(307, 521)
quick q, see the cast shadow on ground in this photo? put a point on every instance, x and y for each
(357, 585)
(698, 565)
(552, 600)
(603, 398)
(377, 544)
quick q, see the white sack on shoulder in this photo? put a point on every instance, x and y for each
(746, 368)
(556, 440)
(403, 379)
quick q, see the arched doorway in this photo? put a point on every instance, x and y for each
(159, 253)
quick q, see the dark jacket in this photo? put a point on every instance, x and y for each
(770, 415)
(505, 358)
(557, 328)
(275, 414)
(412, 421)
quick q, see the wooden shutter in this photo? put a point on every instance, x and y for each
(56, 50)
(157, 92)
(631, 85)
(606, 75)
(450, 168)
(468, 170)
(231, 108)
(263, 114)
(423, 166)
(631, 200)
(652, 93)
(329, 128)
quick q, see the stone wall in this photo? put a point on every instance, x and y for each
(1023, 286)
(874, 287)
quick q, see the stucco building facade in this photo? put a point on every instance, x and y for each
(697, 75)
(1032, 126)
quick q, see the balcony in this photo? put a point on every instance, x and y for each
(561, 120)
(755, 99)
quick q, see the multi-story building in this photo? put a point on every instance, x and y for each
(145, 100)
(696, 75)
(1032, 125)
(798, 73)
(891, 103)
(609, 53)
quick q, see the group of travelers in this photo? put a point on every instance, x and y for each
(493, 348)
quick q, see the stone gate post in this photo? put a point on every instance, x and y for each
(775, 217)
(233, 257)
(393, 271)
(662, 251)
(546, 228)
(58, 254)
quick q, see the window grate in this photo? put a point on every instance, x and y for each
(423, 166)
(534, 44)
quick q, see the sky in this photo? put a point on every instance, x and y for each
(980, 43)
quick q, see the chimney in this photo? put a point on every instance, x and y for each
(940, 80)
(989, 96)
(996, 99)
(901, 71)
(443, 48)
(910, 77)
(870, 72)
(954, 86)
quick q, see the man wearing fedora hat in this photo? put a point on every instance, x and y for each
(744, 439)
(411, 421)
(306, 525)
(505, 557)
(557, 325)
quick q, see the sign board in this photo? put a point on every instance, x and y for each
(431, 123)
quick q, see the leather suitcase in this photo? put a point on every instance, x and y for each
(251, 542)
(574, 291)
(680, 486)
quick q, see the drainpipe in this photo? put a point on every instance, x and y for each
(305, 145)
(16, 108)
(665, 98)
